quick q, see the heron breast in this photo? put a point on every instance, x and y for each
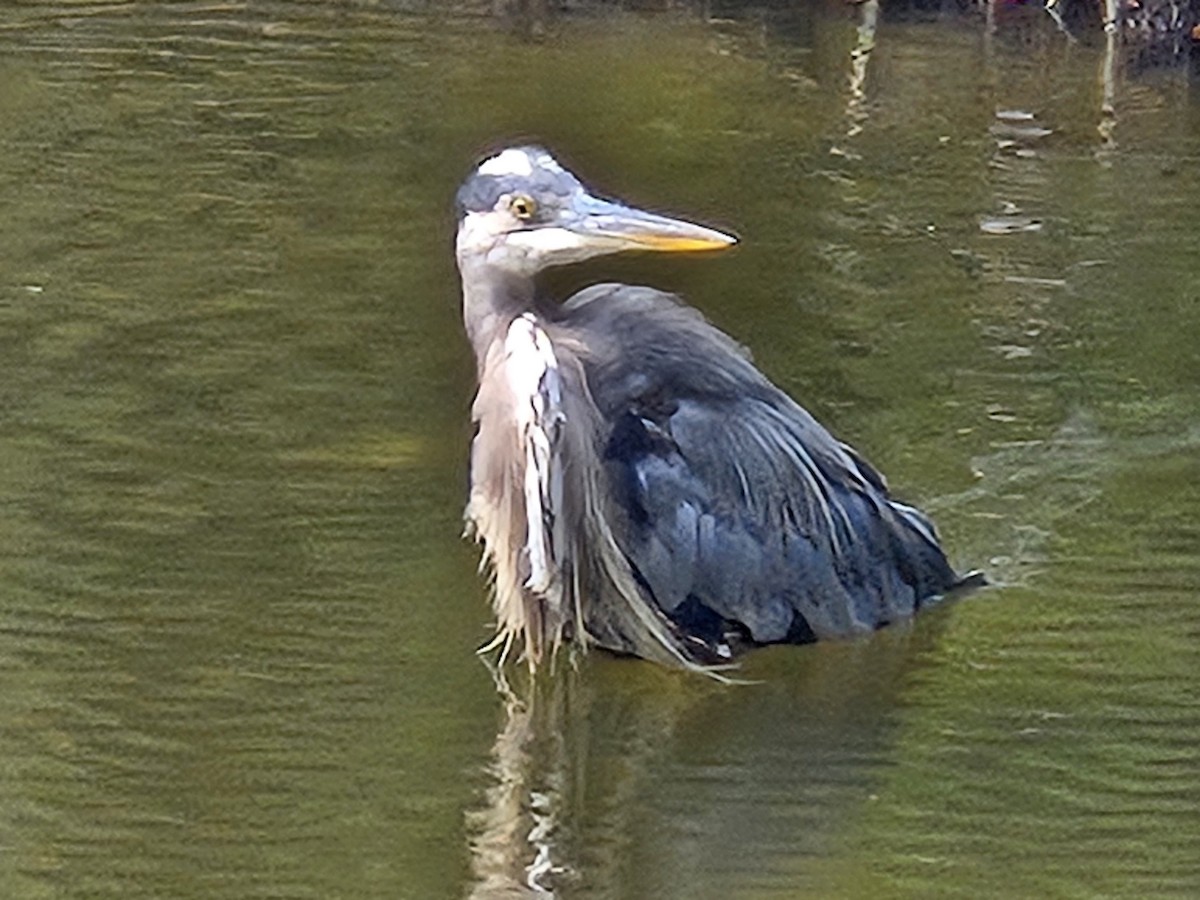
(531, 372)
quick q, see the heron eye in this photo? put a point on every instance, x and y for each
(522, 206)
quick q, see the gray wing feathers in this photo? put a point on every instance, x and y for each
(790, 540)
(732, 495)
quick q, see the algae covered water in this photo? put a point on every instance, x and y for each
(237, 621)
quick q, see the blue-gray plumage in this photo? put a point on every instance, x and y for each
(636, 481)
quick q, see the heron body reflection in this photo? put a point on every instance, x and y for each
(636, 483)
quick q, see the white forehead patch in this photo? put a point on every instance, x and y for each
(519, 161)
(510, 162)
(546, 161)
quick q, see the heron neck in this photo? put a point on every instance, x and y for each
(492, 298)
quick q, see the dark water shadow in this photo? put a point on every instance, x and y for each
(615, 778)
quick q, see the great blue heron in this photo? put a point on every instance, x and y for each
(636, 482)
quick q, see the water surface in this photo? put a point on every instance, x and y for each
(237, 622)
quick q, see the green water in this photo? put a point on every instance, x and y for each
(237, 623)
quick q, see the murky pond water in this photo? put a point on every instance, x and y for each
(237, 622)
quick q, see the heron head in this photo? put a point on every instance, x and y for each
(522, 211)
